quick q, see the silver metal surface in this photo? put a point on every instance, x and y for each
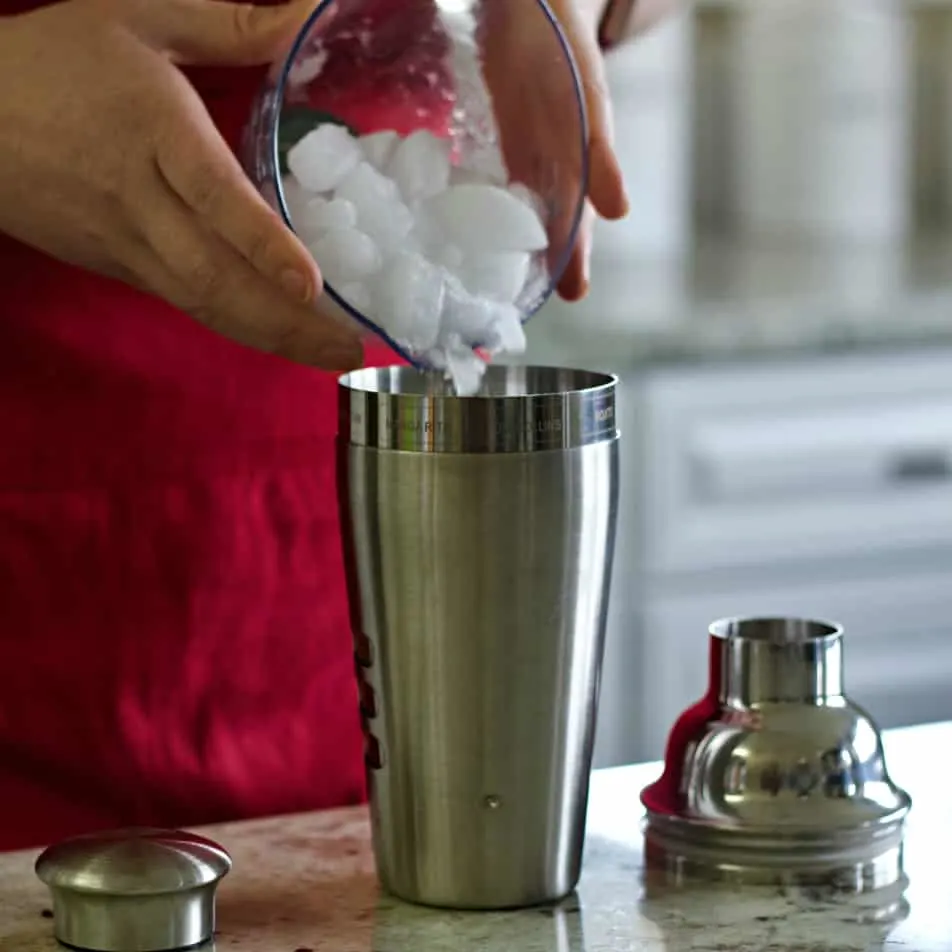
(139, 890)
(479, 586)
(776, 773)
(518, 410)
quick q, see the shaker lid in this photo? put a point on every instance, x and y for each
(133, 862)
(777, 773)
(133, 890)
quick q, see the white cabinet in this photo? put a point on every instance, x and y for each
(818, 487)
(801, 461)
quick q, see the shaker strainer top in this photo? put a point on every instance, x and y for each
(776, 768)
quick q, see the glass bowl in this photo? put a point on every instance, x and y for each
(451, 119)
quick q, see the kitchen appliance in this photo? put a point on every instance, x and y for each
(479, 534)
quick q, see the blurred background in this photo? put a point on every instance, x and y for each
(779, 309)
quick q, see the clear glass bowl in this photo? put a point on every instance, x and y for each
(492, 81)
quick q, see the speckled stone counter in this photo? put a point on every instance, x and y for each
(307, 883)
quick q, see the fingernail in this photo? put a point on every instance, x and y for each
(625, 202)
(297, 285)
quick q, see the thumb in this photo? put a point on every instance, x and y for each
(223, 33)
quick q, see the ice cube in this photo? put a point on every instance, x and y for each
(306, 217)
(420, 165)
(358, 296)
(506, 333)
(481, 322)
(299, 201)
(408, 300)
(345, 255)
(435, 358)
(380, 212)
(466, 370)
(388, 223)
(461, 366)
(463, 176)
(485, 162)
(321, 216)
(500, 275)
(323, 157)
(378, 147)
(308, 68)
(447, 256)
(366, 188)
(480, 218)
(425, 236)
(529, 198)
(337, 213)
(465, 315)
(428, 238)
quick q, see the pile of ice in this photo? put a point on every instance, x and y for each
(431, 254)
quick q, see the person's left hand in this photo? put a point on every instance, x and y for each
(534, 101)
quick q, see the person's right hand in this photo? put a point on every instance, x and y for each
(109, 160)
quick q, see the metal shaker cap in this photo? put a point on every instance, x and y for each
(777, 772)
(134, 890)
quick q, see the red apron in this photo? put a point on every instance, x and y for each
(174, 644)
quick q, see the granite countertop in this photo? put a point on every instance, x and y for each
(307, 883)
(725, 300)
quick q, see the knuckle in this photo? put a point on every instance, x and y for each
(259, 248)
(247, 21)
(204, 281)
(204, 189)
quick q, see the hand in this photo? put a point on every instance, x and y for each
(109, 160)
(535, 110)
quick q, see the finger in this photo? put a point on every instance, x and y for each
(606, 184)
(606, 181)
(647, 13)
(209, 280)
(575, 280)
(196, 164)
(219, 32)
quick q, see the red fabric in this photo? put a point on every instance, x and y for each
(174, 644)
(664, 797)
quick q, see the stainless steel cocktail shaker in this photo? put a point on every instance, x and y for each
(479, 534)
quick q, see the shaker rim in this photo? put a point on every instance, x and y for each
(386, 382)
(775, 629)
